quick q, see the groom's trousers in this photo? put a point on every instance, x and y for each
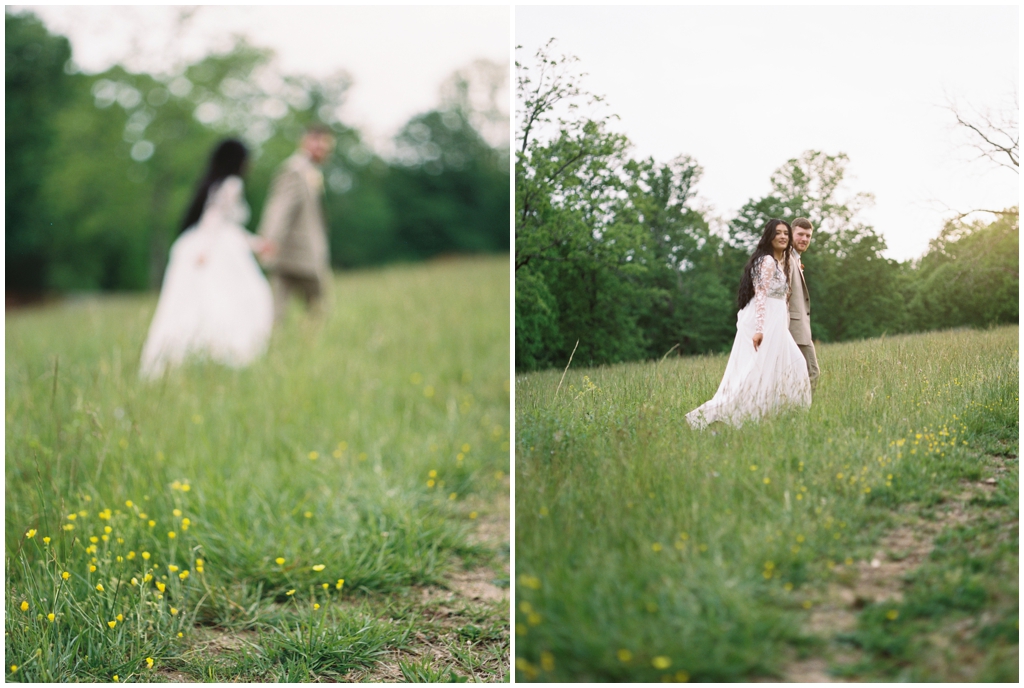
(812, 362)
(284, 285)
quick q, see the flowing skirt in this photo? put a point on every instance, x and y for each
(757, 383)
(215, 303)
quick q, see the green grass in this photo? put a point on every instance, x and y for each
(365, 445)
(647, 551)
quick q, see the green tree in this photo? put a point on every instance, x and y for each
(970, 275)
(855, 290)
(37, 86)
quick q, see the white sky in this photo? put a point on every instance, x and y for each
(743, 89)
(397, 56)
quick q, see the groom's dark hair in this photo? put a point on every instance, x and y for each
(318, 129)
(803, 223)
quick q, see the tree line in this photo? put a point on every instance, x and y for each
(613, 252)
(100, 167)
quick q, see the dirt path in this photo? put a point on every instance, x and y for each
(472, 594)
(884, 576)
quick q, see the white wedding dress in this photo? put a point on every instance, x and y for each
(769, 379)
(215, 302)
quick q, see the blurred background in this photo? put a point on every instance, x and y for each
(112, 112)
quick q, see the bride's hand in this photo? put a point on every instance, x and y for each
(758, 338)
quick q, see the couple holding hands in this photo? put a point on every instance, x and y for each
(773, 363)
(215, 301)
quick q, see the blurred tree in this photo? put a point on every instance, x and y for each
(37, 85)
(101, 167)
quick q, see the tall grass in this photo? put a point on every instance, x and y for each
(649, 551)
(346, 454)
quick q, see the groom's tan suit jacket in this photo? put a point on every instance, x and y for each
(800, 317)
(799, 303)
(293, 218)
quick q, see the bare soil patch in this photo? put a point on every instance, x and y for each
(883, 576)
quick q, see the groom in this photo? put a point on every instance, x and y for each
(293, 224)
(800, 300)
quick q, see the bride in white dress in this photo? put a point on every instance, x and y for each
(766, 371)
(215, 302)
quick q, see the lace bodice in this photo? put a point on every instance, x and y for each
(769, 283)
(226, 203)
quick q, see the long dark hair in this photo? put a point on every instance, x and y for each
(764, 248)
(228, 159)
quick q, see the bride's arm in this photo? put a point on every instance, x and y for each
(762, 275)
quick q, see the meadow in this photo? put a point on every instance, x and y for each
(873, 537)
(337, 511)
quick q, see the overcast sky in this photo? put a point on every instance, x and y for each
(743, 89)
(398, 56)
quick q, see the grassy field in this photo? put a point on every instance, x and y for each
(871, 538)
(337, 511)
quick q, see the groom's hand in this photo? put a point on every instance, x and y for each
(758, 338)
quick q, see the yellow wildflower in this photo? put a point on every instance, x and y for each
(174, 612)
(50, 617)
(319, 567)
(176, 512)
(149, 662)
(172, 568)
(31, 533)
(341, 582)
(99, 587)
(183, 575)
(290, 592)
(171, 535)
(24, 606)
(65, 575)
(315, 606)
(112, 623)
(145, 555)
(624, 655)
(119, 617)
(313, 456)
(46, 540)
(280, 561)
(661, 662)
(161, 586)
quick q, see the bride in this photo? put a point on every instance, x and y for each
(214, 302)
(766, 370)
